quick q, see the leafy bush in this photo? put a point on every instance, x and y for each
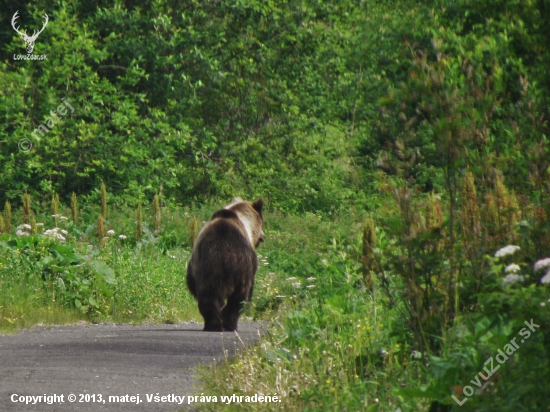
(70, 278)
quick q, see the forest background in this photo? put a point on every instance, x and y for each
(401, 148)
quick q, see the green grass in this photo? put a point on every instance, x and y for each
(332, 343)
(329, 346)
(355, 366)
(23, 314)
(151, 287)
(26, 300)
(42, 279)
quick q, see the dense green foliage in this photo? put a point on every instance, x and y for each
(398, 144)
(219, 98)
(110, 279)
(204, 99)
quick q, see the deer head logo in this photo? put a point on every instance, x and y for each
(29, 40)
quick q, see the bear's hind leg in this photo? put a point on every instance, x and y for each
(210, 308)
(232, 311)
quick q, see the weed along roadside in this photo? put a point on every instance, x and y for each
(402, 160)
(501, 357)
(330, 337)
(84, 271)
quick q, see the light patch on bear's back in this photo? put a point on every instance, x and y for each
(247, 228)
(234, 202)
(244, 210)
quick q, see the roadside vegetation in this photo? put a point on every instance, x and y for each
(108, 276)
(402, 151)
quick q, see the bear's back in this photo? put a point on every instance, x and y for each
(222, 251)
(222, 235)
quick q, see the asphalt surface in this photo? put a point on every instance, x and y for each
(110, 361)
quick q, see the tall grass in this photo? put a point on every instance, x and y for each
(362, 315)
(335, 343)
(329, 345)
(46, 279)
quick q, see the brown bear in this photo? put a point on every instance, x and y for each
(223, 265)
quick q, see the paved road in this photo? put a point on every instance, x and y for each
(110, 360)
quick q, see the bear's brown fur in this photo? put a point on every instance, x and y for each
(223, 264)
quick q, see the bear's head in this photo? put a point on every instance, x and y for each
(250, 215)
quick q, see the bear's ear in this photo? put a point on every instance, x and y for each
(258, 205)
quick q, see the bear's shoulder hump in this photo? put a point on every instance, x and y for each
(224, 214)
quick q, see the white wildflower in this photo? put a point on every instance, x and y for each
(541, 264)
(546, 278)
(63, 218)
(291, 279)
(40, 224)
(52, 232)
(511, 279)
(310, 279)
(310, 286)
(64, 232)
(296, 284)
(110, 232)
(513, 268)
(59, 237)
(21, 233)
(55, 216)
(506, 250)
(122, 237)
